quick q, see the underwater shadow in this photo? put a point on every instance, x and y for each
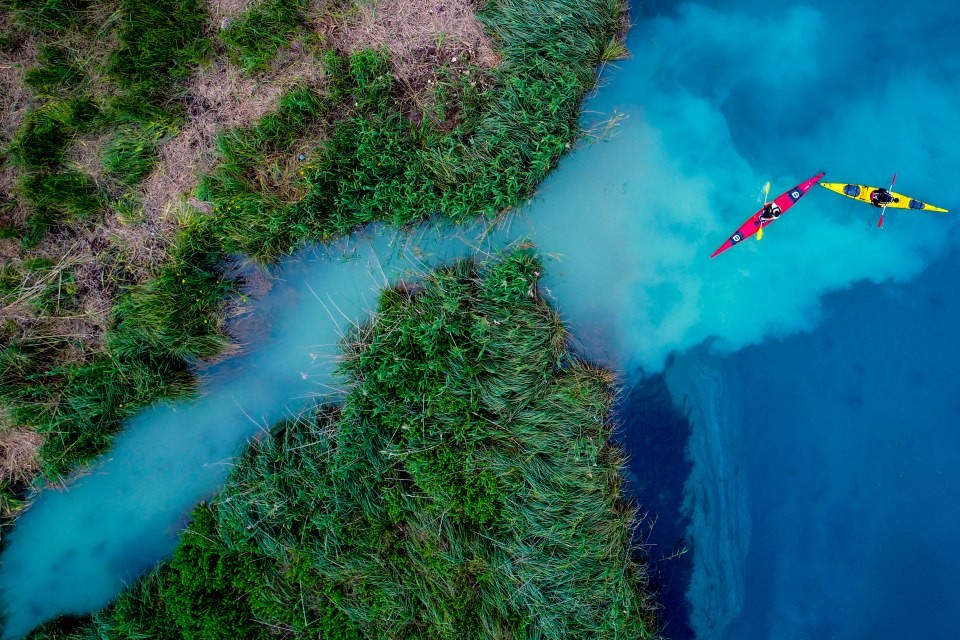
(655, 432)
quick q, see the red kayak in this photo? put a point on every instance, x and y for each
(780, 205)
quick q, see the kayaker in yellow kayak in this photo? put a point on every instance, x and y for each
(881, 196)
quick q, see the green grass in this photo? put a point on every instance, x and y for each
(11, 500)
(48, 15)
(78, 399)
(376, 165)
(70, 193)
(55, 198)
(47, 131)
(79, 407)
(52, 193)
(174, 315)
(253, 40)
(41, 284)
(56, 73)
(157, 329)
(131, 153)
(257, 187)
(161, 43)
(467, 488)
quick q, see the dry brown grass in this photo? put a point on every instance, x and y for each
(16, 97)
(421, 35)
(223, 11)
(417, 33)
(19, 455)
(84, 156)
(84, 321)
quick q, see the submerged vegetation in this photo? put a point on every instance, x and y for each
(466, 488)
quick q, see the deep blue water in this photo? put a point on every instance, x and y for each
(839, 473)
(654, 431)
(806, 459)
(851, 457)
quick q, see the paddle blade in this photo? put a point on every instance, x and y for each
(766, 192)
(893, 182)
(760, 232)
(880, 221)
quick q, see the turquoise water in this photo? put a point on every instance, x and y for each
(626, 225)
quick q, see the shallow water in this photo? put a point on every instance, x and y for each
(626, 226)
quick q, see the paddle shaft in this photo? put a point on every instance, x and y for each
(766, 193)
(883, 209)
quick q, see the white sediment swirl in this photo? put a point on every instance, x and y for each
(715, 500)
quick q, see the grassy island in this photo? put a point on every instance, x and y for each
(465, 488)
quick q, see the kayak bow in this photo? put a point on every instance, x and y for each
(862, 193)
(753, 224)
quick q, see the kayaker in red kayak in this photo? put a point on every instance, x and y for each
(881, 196)
(770, 212)
(764, 217)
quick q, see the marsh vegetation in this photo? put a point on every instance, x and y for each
(466, 487)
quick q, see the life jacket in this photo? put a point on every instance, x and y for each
(771, 211)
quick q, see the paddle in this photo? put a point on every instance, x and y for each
(766, 192)
(883, 210)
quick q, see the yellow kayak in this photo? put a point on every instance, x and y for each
(862, 193)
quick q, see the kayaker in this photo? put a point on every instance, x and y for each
(881, 196)
(770, 212)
